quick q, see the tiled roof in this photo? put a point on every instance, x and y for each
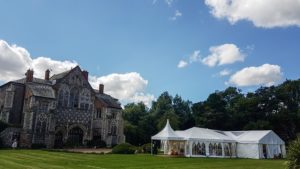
(35, 80)
(60, 75)
(41, 90)
(109, 101)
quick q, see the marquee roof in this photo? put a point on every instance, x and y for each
(204, 134)
(167, 133)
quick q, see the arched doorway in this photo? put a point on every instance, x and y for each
(75, 136)
(58, 143)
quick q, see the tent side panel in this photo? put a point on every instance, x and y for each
(246, 150)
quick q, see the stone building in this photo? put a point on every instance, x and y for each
(58, 110)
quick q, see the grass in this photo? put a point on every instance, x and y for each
(35, 159)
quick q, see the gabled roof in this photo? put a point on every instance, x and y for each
(60, 75)
(108, 100)
(256, 136)
(41, 90)
(167, 133)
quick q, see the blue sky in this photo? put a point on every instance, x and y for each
(146, 37)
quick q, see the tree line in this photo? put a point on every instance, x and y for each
(274, 108)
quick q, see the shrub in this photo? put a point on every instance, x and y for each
(146, 148)
(71, 144)
(124, 148)
(96, 143)
(38, 146)
(294, 154)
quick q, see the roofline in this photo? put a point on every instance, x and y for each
(11, 82)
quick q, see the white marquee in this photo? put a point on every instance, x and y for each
(202, 142)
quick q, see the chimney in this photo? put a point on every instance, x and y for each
(47, 74)
(29, 75)
(85, 74)
(101, 88)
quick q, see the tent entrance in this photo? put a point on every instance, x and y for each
(265, 151)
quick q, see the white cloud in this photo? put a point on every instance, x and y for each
(142, 97)
(182, 64)
(195, 57)
(263, 13)
(225, 72)
(128, 87)
(176, 15)
(265, 75)
(15, 60)
(168, 2)
(223, 54)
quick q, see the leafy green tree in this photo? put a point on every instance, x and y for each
(173, 118)
(133, 113)
(182, 109)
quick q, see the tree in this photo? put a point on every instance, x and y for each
(133, 113)
(183, 110)
(294, 154)
(212, 112)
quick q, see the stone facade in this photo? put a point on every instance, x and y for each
(61, 110)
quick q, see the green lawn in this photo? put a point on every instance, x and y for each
(33, 159)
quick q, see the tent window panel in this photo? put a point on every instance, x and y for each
(198, 149)
(219, 150)
(203, 150)
(227, 149)
(194, 149)
(211, 149)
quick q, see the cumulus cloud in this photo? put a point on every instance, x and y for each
(265, 75)
(225, 72)
(15, 60)
(128, 87)
(223, 54)
(262, 13)
(176, 15)
(182, 64)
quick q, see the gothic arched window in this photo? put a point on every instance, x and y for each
(66, 98)
(63, 96)
(60, 98)
(85, 98)
(74, 98)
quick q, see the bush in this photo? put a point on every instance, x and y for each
(71, 144)
(146, 148)
(124, 148)
(38, 146)
(96, 143)
(294, 154)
